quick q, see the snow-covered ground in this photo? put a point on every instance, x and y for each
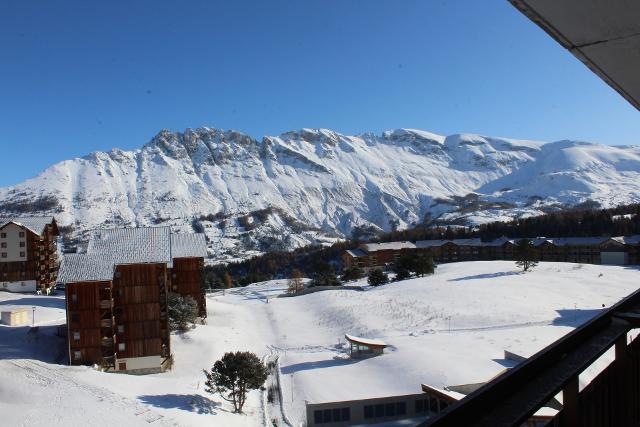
(447, 329)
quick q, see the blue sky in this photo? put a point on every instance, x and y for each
(82, 76)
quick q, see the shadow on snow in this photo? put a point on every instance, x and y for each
(316, 364)
(487, 276)
(186, 402)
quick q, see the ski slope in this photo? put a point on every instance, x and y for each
(446, 329)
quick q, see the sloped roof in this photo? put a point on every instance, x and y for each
(365, 341)
(188, 245)
(440, 242)
(132, 245)
(628, 240)
(85, 268)
(373, 247)
(499, 241)
(36, 224)
(145, 245)
(356, 253)
(578, 241)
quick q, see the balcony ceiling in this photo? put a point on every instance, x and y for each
(604, 35)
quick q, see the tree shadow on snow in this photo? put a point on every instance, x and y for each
(186, 402)
(316, 364)
(487, 276)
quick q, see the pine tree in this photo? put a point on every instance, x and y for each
(325, 275)
(377, 277)
(424, 265)
(352, 273)
(182, 312)
(234, 375)
(526, 254)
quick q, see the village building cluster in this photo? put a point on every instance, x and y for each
(621, 250)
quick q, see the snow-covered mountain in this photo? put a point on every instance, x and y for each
(315, 184)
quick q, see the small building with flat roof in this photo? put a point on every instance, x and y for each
(15, 317)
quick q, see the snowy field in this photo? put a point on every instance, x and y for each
(447, 329)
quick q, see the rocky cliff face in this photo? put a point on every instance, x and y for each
(314, 185)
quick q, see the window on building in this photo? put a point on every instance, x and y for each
(369, 412)
(3, 255)
(379, 408)
(76, 336)
(22, 254)
(3, 245)
(22, 244)
(75, 317)
(401, 408)
(74, 297)
(77, 355)
(3, 235)
(390, 410)
(422, 405)
(120, 329)
(21, 234)
(433, 404)
(121, 346)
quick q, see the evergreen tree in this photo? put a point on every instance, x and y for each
(403, 266)
(526, 254)
(234, 375)
(353, 273)
(377, 277)
(325, 275)
(182, 312)
(424, 265)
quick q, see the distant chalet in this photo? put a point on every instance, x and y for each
(28, 253)
(620, 250)
(116, 295)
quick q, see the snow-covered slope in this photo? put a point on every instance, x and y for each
(445, 329)
(324, 184)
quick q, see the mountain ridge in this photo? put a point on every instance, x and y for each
(330, 182)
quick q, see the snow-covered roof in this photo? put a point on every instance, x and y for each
(37, 224)
(578, 241)
(85, 268)
(365, 341)
(132, 245)
(387, 246)
(356, 253)
(440, 242)
(188, 245)
(145, 245)
(628, 240)
(498, 242)
(443, 392)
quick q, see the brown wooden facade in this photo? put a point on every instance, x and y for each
(187, 279)
(112, 321)
(41, 262)
(590, 251)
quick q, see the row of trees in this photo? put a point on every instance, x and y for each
(318, 261)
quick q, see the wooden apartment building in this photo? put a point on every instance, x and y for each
(621, 250)
(28, 253)
(116, 296)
